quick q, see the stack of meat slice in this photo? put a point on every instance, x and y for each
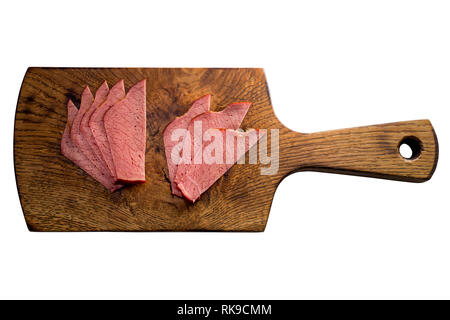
(106, 136)
(202, 145)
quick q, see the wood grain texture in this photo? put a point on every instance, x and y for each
(58, 196)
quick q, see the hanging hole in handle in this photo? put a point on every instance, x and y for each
(410, 148)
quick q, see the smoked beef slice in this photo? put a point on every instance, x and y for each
(96, 124)
(226, 147)
(193, 147)
(125, 126)
(86, 133)
(173, 148)
(229, 118)
(71, 151)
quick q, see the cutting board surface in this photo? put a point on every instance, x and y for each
(56, 195)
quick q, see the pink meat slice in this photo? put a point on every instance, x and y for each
(229, 118)
(125, 125)
(194, 179)
(86, 101)
(73, 153)
(172, 145)
(96, 124)
(86, 133)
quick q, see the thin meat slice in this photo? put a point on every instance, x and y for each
(229, 118)
(87, 101)
(97, 126)
(71, 151)
(225, 148)
(192, 156)
(174, 131)
(125, 125)
(86, 133)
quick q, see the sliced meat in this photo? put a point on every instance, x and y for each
(173, 144)
(229, 118)
(71, 151)
(87, 101)
(97, 126)
(125, 125)
(218, 157)
(86, 133)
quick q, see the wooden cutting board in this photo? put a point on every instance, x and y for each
(56, 195)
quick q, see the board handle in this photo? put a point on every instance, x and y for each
(372, 151)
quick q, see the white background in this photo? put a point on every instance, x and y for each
(329, 64)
